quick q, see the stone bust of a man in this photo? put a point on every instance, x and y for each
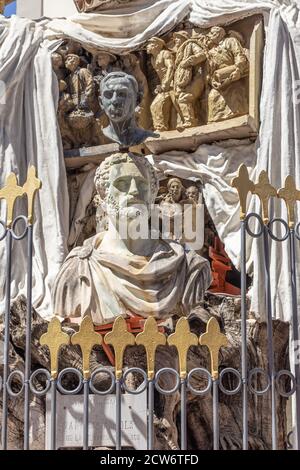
(118, 272)
(119, 98)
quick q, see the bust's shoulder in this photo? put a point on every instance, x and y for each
(86, 250)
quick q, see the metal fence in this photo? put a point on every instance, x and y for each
(150, 338)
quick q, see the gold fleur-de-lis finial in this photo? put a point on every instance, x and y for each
(182, 339)
(264, 190)
(32, 185)
(54, 339)
(119, 338)
(290, 194)
(10, 193)
(86, 338)
(244, 185)
(214, 340)
(150, 338)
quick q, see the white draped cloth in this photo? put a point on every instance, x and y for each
(29, 132)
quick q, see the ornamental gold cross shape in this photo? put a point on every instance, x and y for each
(32, 185)
(86, 339)
(10, 193)
(182, 339)
(150, 338)
(119, 338)
(290, 195)
(54, 339)
(264, 190)
(214, 340)
(244, 185)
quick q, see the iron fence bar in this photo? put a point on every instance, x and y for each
(295, 332)
(216, 424)
(271, 367)
(6, 339)
(28, 339)
(85, 414)
(183, 417)
(118, 415)
(244, 334)
(53, 414)
(150, 430)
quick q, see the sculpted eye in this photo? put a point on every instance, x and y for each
(108, 94)
(121, 185)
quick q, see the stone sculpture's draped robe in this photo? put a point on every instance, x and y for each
(105, 285)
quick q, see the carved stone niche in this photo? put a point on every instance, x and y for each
(80, 72)
(196, 86)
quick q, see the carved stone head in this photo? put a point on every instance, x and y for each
(57, 61)
(119, 97)
(105, 58)
(192, 193)
(175, 188)
(216, 35)
(72, 62)
(179, 38)
(155, 45)
(126, 183)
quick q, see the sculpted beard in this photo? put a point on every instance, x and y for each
(129, 211)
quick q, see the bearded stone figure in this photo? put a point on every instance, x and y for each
(119, 272)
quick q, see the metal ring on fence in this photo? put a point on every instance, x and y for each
(165, 370)
(24, 233)
(297, 229)
(34, 390)
(257, 371)
(204, 391)
(290, 445)
(248, 230)
(143, 385)
(287, 230)
(236, 374)
(3, 235)
(103, 371)
(9, 380)
(293, 379)
(61, 375)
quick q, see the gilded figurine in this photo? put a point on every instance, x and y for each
(163, 63)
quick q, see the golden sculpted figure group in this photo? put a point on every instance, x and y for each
(185, 80)
(200, 71)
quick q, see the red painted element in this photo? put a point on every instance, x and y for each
(221, 265)
(135, 325)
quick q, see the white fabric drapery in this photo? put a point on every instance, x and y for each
(29, 132)
(29, 135)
